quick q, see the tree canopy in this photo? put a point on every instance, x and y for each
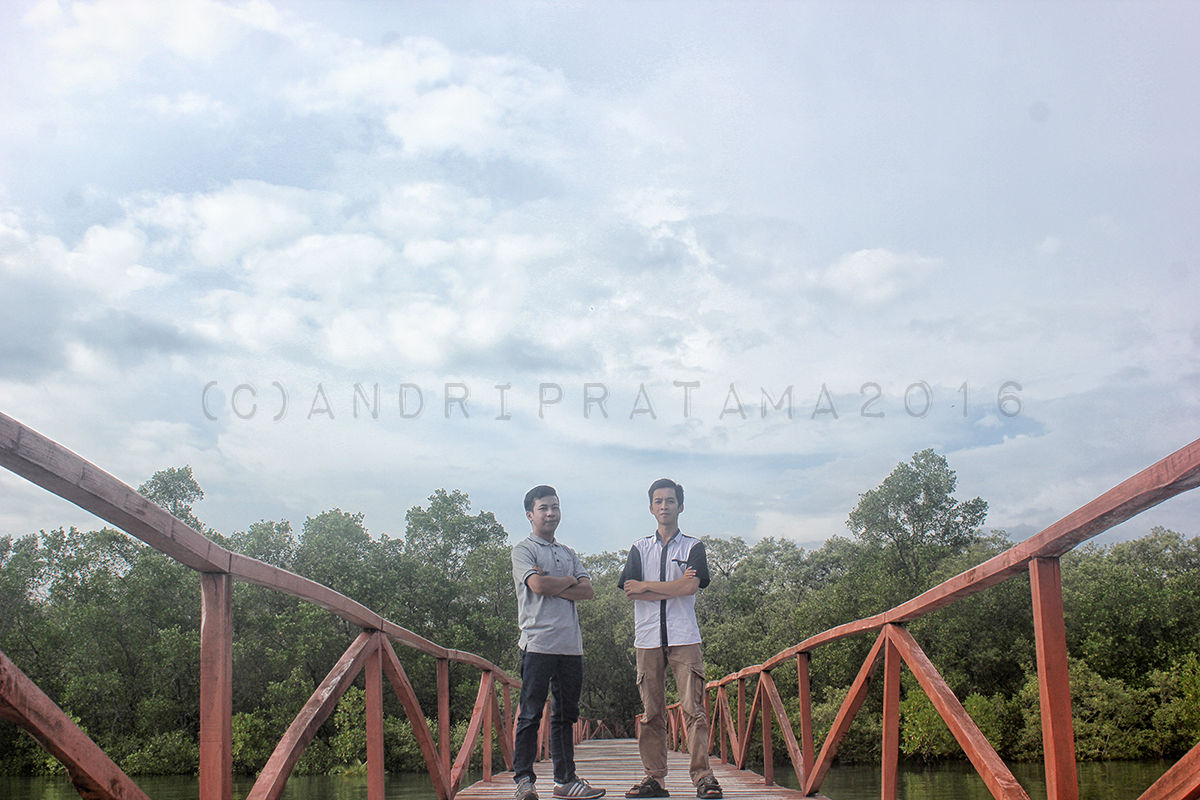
(109, 627)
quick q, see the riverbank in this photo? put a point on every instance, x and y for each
(955, 780)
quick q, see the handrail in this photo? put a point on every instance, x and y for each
(1039, 556)
(62, 472)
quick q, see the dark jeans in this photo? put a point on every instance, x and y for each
(540, 673)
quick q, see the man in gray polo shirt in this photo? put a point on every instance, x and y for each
(549, 578)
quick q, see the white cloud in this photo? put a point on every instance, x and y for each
(105, 42)
(193, 106)
(340, 267)
(875, 276)
(217, 229)
(106, 261)
(243, 192)
(433, 100)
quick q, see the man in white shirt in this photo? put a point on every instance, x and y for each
(661, 576)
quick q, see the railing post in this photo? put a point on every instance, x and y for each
(806, 726)
(709, 716)
(544, 732)
(891, 721)
(768, 745)
(1054, 684)
(216, 686)
(720, 722)
(741, 720)
(487, 738)
(374, 680)
(443, 684)
(506, 715)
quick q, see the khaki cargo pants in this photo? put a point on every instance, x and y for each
(687, 662)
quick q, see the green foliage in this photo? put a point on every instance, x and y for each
(318, 759)
(610, 664)
(972, 652)
(350, 742)
(269, 542)
(1131, 607)
(912, 522)
(171, 753)
(1113, 720)
(1187, 718)
(252, 743)
(862, 742)
(923, 733)
(109, 628)
(176, 491)
(401, 751)
(747, 612)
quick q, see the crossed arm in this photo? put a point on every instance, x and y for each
(663, 590)
(567, 587)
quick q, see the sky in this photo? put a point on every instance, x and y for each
(343, 254)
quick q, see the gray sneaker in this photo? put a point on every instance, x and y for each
(525, 790)
(577, 788)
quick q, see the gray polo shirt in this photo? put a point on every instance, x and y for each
(548, 624)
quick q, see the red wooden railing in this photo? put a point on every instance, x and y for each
(1039, 556)
(60, 471)
(94, 774)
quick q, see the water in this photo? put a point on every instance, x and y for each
(1103, 780)
(185, 787)
(1098, 780)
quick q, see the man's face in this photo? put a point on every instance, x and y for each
(665, 507)
(545, 516)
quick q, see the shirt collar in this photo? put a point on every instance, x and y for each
(678, 532)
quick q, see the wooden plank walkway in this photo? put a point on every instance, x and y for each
(614, 764)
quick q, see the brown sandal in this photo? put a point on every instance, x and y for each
(649, 787)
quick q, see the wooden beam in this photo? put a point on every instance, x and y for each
(804, 685)
(48, 464)
(216, 686)
(275, 774)
(463, 761)
(1177, 473)
(61, 472)
(743, 755)
(416, 717)
(508, 718)
(841, 723)
(488, 724)
(443, 698)
(1180, 782)
(729, 728)
(373, 674)
(1054, 684)
(506, 744)
(89, 769)
(767, 684)
(996, 776)
(543, 748)
(768, 744)
(741, 721)
(890, 766)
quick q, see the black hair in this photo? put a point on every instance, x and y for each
(537, 493)
(666, 483)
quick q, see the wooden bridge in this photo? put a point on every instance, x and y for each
(614, 764)
(734, 731)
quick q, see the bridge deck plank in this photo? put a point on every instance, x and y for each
(613, 764)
